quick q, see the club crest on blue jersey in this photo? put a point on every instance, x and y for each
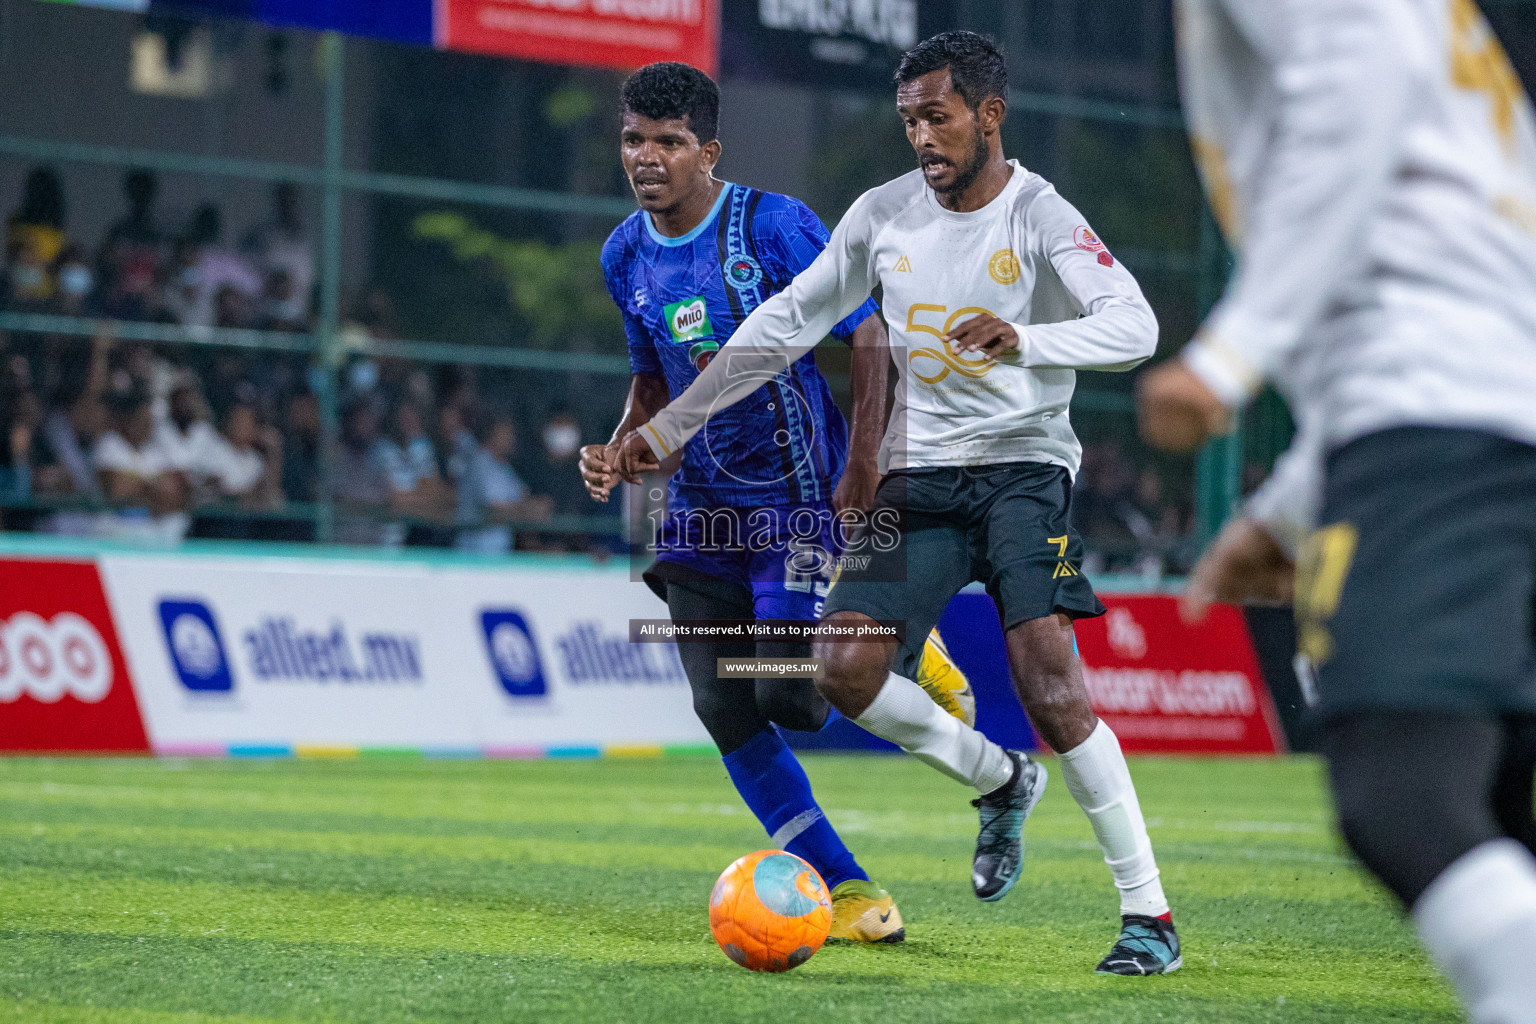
(742, 271)
(701, 354)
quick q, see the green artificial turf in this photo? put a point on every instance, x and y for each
(173, 892)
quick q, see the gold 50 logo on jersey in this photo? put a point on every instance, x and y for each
(938, 363)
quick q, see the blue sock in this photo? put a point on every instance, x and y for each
(774, 786)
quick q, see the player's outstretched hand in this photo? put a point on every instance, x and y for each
(984, 333)
(597, 472)
(856, 490)
(1176, 411)
(634, 456)
(1243, 566)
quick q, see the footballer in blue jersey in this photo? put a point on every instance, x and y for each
(775, 457)
(757, 489)
(683, 297)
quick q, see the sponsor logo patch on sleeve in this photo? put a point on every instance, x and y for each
(1086, 240)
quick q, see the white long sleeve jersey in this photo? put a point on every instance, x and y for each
(1373, 163)
(1027, 257)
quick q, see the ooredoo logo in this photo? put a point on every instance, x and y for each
(197, 652)
(513, 653)
(46, 659)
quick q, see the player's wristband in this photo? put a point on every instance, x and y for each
(1219, 368)
(653, 438)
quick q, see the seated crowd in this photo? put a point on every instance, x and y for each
(125, 439)
(142, 271)
(114, 439)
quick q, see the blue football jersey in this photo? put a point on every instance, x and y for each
(682, 298)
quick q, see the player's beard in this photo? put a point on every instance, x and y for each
(966, 176)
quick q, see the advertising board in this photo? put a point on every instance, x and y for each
(1168, 687)
(838, 45)
(64, 685)
(621, 34)
(282, 653)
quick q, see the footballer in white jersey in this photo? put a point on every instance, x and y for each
(1373, 163)
(995, 291)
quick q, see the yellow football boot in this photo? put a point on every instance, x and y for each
(942, 679)
(864, 912)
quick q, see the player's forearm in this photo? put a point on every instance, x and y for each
(1346, 87)
(870, 370)
(1120, 334)
(736, 372)
(647, 396)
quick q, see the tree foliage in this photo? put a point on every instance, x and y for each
(558, 290)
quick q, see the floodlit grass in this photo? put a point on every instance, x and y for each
(183, 892)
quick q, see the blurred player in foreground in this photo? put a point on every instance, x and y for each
(1374, 163)
(968, 250)
(754, 503)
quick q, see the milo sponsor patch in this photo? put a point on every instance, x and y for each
(688, 320)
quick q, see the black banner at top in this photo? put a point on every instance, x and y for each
(848, 44)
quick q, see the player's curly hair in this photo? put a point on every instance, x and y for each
(976, 67)
(667, 90)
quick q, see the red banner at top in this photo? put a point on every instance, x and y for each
(620, 34)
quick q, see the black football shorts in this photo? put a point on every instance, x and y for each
(932, 531)
(1418, 591)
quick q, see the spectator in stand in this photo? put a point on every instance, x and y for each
(459, 387)
(133, 254)
(228, 381)
(456, 443)
(301, 448)
(188, 433)
(76, 418)
(76, 292)
(35, 238)
(139, 474)
(1148, 518)
(363, 489)
(141, 367)
(284, 256)
(1152, 501)
(409, 462)
(277, 306)
(204, 268)
(21, 415)
(232, 308)
(556, 472)
(247, 463)
(491, 492)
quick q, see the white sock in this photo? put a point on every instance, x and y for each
(1099, 780)
(1478, 920)
(902, 713)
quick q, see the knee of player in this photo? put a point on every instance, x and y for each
(848, 666)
